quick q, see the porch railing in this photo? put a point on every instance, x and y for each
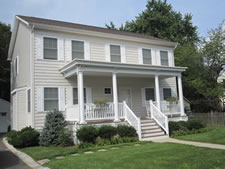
(98, 112)
(132, 119)
(160, 118)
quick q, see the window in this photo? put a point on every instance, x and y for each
(115, 53)
(107, 91)
(149, 94)
(50, 48)
(75, 96)
(146, 54)
(28, 101)
(77, 50)
(167, 93)
(51, 100)
(164, 58)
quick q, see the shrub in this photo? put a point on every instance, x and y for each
(54, 123)
(85, 145)
(194, 131)
(106, 132)
(194, 124)
(103, 142)
(27, 137)
(87, 134)
(126, 131)
(65, 138)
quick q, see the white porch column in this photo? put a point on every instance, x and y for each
(181, 98)
(115, 97)
(80, 89)
(157, 91)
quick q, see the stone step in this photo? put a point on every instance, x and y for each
(153, 134)
(149, 127)
(151, 131)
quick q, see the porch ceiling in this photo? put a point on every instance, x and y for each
(97, 68)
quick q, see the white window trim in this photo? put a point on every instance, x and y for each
(122, 58)
(27, 100)
(43, 104)
(142, 61)
(44, 36)
(106, 88)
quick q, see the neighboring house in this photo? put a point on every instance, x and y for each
(65, 66)
(4, 116)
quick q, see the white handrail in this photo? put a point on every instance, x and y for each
(132, 119)
(160, 118)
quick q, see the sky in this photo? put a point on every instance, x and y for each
(207, 14)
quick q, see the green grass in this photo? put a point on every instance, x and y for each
(215, 134)
(146, 156)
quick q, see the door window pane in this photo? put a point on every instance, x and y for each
(149, 94)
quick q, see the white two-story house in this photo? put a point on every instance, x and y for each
(68, 67)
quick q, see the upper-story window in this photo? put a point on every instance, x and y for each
(77, 50)
(50, 48)
(115, 53)
(146, 54)
(164, 58)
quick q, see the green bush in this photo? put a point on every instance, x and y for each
(54, 124)
(103, 142)
(126, 131)
(87, 134)
(65, 138)
(106, 132)
(85, 145)
(194, 124)
(194, 131)
(27, 137)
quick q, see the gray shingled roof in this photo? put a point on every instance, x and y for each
(34, 20)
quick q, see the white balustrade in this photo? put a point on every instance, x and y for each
(132, 119)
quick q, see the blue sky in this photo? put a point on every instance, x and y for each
(207, 14)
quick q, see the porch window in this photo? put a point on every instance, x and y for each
(28, 101)
(50, 48)
(107, 91)
(167, 93)
(147, 58)
(77, 50)
(75, 96)
(51, 99)
(115, 53)
(149, 94)
(164, 58)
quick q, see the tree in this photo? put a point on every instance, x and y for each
(5, 35)
(160, 20)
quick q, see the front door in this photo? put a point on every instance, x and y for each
(125, 95)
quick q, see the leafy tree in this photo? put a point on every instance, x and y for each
(160, 20)
(5, 35)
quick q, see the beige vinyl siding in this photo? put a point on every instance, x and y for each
(97, 51)
(131, 54)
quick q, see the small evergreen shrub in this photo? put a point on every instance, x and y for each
(27, 137)
(65, 138)
(106, 131)
(126, 131)
(54, 124)
(194, 124)
(87, 134)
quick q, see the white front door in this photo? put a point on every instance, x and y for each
(125, 95)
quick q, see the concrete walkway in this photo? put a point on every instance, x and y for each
(197, 144)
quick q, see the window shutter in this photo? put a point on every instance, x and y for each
(87, 50)
(107, 53)
(62, 99)
(123, 54)
(89, 95)
(69, 96)
(39, 47)
(143, 96)
(60, 49)
(68, 50)
(140, 58)
(40, 99)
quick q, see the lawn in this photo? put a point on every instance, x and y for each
(215, 134)
(145, 156)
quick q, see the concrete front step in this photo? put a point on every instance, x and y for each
(153, 134)
(151, 131)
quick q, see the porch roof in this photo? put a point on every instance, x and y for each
(76, 65)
